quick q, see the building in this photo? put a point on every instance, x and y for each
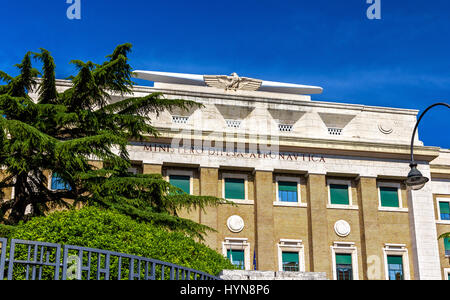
(317, 186)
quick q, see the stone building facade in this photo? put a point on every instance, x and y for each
(316, 186)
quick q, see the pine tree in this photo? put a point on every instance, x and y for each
(62, 132)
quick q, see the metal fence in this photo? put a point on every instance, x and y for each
(30, 260)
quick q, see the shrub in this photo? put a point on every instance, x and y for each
(6, 230)
(108, 230)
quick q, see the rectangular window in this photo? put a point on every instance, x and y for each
(339, 194)
(389, 196)
(287, 191)
(335, 131)
(59, 184)
(132, 171)
(344, 268)
(395, 267)
(179, 119)
(233, 123)
(447, 246)
(237, 258)
(444, 208)
(285, 127)
(290, 262)
(181, 182)
(235, 188)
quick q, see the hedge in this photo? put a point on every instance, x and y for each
(108, 230)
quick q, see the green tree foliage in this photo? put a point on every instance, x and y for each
(109, 230)
(62, 131)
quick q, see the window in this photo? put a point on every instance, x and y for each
(237, 250)
(447, 246)
(181, 179)
(59, 184)
(290, 261)
(179, 119)
(396, 261)
(447, 274)
(444, 210)
(132, 171)
(182, 182)
(389, 196)
(291, 256)
(395, 267)
(237, 258)
(335, 131)
(135, 168)
(287, 191)
(233, 123)
(235, 188)
(285, 127)
(345, 261)
(344, 269)
(339, 194)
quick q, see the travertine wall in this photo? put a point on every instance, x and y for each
(268, 275)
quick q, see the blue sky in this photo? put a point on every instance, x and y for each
(400, 61)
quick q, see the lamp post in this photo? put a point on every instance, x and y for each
(416, 180)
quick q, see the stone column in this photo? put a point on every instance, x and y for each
(319, 247)
(209, 187)
(371, 245)
(427, 264)
(264, 223)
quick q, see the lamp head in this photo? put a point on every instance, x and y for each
(416, 181)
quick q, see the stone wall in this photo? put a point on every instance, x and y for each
(269, 275)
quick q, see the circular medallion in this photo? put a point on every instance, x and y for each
(342, 228)
(235, 224)
(385, 129)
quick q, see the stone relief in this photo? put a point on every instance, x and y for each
(342, 228)
(235, 224)
(232, 82)
(386, 129)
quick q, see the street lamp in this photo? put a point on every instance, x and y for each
(416, 180)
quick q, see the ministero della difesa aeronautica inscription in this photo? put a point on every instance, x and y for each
(230, 153)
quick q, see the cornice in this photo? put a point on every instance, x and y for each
(440, 171)
(310, 145)
(260, 98)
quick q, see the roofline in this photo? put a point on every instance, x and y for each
(312, 103)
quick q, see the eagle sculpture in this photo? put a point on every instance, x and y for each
(232, 82)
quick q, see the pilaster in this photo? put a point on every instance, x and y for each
(264, 222)
(319, 249)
